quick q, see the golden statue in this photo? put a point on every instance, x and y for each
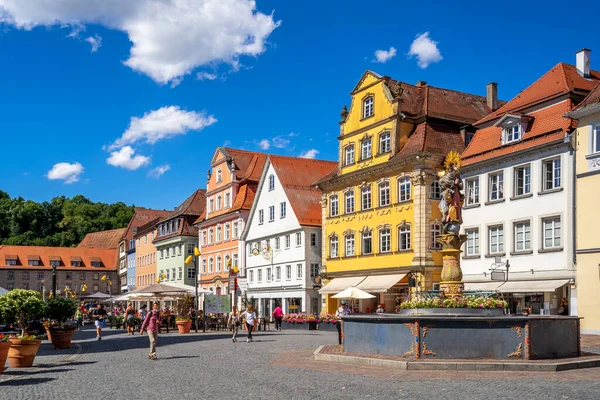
(452, 199)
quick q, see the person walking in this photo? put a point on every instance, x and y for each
(234, 323)
(99, 315)
(250, 317)
(151, 324)
(130, 319)
(343, 310)
(143, 312)
(79, 318)
(278, 316)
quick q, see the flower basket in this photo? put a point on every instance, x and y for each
(184, 326)
(4, 347)
(22, 352)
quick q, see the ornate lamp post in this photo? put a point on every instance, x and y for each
(53, 280)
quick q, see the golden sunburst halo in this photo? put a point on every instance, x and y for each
(452, 158)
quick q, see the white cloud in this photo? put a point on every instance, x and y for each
(425, 49)
(158, 171)
(162, 124)
(382, 56)
(170, 38)
(206, 76)
(66, 172)
(280, 142)
(312, 154)
(95, 41)
(124, 158)
(264, 144)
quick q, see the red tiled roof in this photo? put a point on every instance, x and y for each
(108, 257)
(193, 205)
(561, 79)
(432, 138)
(297, 175)
(141, 217)
(248, 164)
(591, 99)
(103, 239)
(243, 201)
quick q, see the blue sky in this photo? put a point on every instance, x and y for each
(62, 103)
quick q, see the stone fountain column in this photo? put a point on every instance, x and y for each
(451, 280)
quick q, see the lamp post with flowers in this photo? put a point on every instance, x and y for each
(189, 260)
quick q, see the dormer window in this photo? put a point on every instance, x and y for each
(512, 133)
(368, 107)
(513, 127)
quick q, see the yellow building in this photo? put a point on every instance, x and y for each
(380, 208)
(587, 193)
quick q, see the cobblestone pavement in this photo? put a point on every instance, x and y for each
(277, 365)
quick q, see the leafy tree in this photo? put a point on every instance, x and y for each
(20, 306)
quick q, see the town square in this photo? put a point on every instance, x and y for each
(261, 199)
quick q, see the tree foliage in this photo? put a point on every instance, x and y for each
(61, 221)
(20, 306)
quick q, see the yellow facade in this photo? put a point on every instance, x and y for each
(588, 220)
(401, 217)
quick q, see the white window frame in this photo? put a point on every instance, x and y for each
(522, 236)
(512, 133)
(385, 237)
(227, 200)
(251, 276)
(219, 176)
(497, 187)
(261, 217)
(404, 189)
(435, 191)
(269, 274)
(334, 206)
(349, 156)
(219, 234)
(283, 210)
(278, 273)
(383, 189)
(298, 239)
(288, 241)
(271, 213)
(288, 272)
(366, 196)
(555, 176)
(366, 235)
(349, 204)
(349, 245)
(277, 243)
(404, 237)
(219, 199)
(473, 242)
(496, 232)
(385, 142)
(299, 269)
(595, 140)
(522, 184)
(271, 182)
(334, 247)
(556, 240)
(472, 191)
(366, 149)
(368, 107)
(259, 276)
(435, 230)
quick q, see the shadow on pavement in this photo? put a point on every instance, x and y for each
(28, 371)
(65, 364)
(176, 357)
(26, 381)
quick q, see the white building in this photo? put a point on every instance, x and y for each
(518, 181)
(282, 238)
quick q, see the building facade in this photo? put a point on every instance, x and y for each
(518, 175)
(231, 187)
(30, 267)
(176, 238)
(131, 267)
(283, 236)
(145, 259)
(380, 208)
(587, 191)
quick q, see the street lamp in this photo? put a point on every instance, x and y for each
(189, 260)
(53, 280)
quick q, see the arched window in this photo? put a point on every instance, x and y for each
(349, 201)
(218, 233)
(384, 143)
(403, 189)
(368, 107)
(436, 232)
(218, 263)
(367, 242)
(333, 247)
(366, 197)
(211, 236)
(218, 202)
(334, 209)
(349, 159)
(366, 149)
(227, 228)
(385, 241)
(349, 245)
(271, 182)
(404, 237)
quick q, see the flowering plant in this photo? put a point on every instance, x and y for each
(3, 338)
(324, 317)
(26, 336)
(311, 318)
(455, 302)
(56, 326)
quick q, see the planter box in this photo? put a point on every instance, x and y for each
(4, 346)
(462, 312)
(287, 325)
(324, 326)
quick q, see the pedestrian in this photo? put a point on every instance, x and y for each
(79, 318)
(250, 317)
(234, 322)
(151, 324)
(143, 312)
(130, 319)
(278, 316)
(343, 310)
(99, 315)
(380, 309)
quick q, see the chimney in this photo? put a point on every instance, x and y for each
(421, 84)
(582, 58)
(491, 95)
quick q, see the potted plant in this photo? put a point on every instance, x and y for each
(4, 346)
(312, 322)
(59, 310)
(184, 319)
(21, 306)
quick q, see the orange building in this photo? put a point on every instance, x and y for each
(145, 255)
(231, 186)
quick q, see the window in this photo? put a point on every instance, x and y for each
(512, 133)
(40, 275)
(218, 263)
(469, 137)
(219, 231)
(161, 254)
(349, 245)
(436, 231)
(366, 197)
(496, 239)
(191, 273)
(403, 189)
(552, 173)
(82, 276)
(227, 200)
(282, 210)
(552, 234)
(368, 107)
(277, 243)
(522, 180)
(366, 148)
(168, 274)
(235, 230)
(180, 273)
(259, 276)
(10, 286)
(298, 271)
(235, 260)
(384, 143)
(404, 237)
(269, 276)
(11, 262)
(211, 207)
(179, 250)
(172, 252)
(211, 266)
(333, 247)
(11, 275)
(173, 275)
(435, 191)
(333, 206)
(313, 239)
(277, 273)
(595, 140)
(219, 176)
(496, 191)
(288, 272)
(349, 155)
(472, 242)
(522, 236)
(298, 239)
(227, 231)
(367, 242)
(96, 264)
(271, 182)
(211, 236)
(204, 265)
(34, 263)
(271, 213)
(251, 276)
(314, 270)
(96, 276)
(349, 197)
(26, 275)
(55, 263)
(287, 241)
(385, 241)
(145, 239)
(472, 191)
(261, 217)
(384, 194)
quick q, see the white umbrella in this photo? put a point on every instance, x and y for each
(353, 293)
(3, 291)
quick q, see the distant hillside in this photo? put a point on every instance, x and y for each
(59, 222)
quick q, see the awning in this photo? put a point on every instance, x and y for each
(33, 258)
(10, 257)
(54, 258)
(532, 286)
(75, 258)
(339, 284)
(379, 283)
(482, 286)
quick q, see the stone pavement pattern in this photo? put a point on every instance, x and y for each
(278, 365)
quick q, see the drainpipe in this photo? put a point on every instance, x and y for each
(573, 151)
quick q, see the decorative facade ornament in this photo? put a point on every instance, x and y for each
(366, 229)
(418, 178)
(384, 226)
(398, 90)
(344, 113)
(348, 232)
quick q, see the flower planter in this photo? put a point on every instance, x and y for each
(293, 325)
(4, 346)
(312, 325)
(184, 326)
(61, 339)
(22, 352)
(327, 327)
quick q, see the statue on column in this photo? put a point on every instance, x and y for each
(452, 200)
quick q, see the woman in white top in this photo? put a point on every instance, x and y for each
(250, 316)
(234, 323)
